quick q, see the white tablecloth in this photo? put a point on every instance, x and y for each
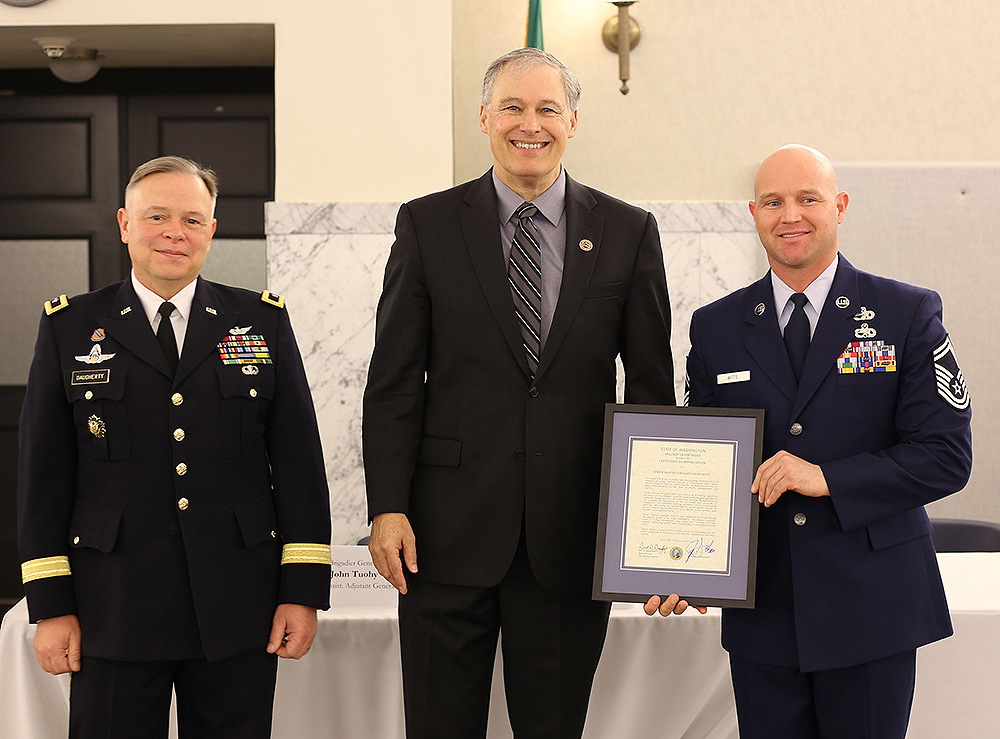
(668, 677)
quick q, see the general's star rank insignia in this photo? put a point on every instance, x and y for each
(950, 381)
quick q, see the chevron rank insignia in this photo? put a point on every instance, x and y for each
(56, 304)
(271, 299)
(950, 381)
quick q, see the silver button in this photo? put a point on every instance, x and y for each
(796, 429)
(800, 519)
(89, 394)
(183, 504)
(176, 398)
(179, 434)
(181, 469)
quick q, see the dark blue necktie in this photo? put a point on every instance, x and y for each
(797, 334)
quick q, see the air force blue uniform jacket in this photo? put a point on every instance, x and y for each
(883, 409)
(171, 514)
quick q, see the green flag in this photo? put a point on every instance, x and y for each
(533, 38)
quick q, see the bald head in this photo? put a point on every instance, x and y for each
(794, 159)
(797, 208)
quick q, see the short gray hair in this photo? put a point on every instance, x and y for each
(522, 60)
(166, 165)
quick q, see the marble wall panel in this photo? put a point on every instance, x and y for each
(327, 259)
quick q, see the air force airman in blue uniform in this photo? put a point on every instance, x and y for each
(870, 427)
(173, 511)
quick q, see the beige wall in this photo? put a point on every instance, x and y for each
(362, 90)
(718, 84)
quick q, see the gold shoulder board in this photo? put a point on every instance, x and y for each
(271, 299)
(56, 304)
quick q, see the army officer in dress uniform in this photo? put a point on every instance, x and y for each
(173, 507)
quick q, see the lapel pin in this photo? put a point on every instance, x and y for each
(843, 302)
(864, 314)
(98, 335)
(237, 331)
(250, 369)
(126, 309)
(759, 309)
(211, 310)
(586, 244)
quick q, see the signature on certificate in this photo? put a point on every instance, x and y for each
(699, 549)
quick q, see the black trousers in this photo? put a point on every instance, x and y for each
(231, 698)
(868, 701)
(551, 644)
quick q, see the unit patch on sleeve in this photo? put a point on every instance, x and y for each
(244, 349)
(867, 356)
(950, 381)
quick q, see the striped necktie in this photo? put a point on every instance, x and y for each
(524, 272)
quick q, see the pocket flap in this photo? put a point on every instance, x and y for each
(94, 526)
(610, 290)
(440, 451)
(258, 520)
(95, 384)
(892, 530)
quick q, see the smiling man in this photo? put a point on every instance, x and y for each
(505, 305)
(867, 420)
(172, 502)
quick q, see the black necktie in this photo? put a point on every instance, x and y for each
(524, 273)
(165, 335)
(797, 334)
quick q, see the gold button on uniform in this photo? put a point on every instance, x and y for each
(179, 434)
(274, 535)
(253, 393)
(89, 394)
(176, 398)
(183, 504)
(76, 539)
(181, 469)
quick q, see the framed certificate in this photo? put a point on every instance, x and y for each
(677, 514)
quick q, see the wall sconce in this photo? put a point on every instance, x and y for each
(69, 63)
(621, 33)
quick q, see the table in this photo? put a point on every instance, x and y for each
(669, 673)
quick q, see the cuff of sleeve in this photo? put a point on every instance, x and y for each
(44, 567)
(308, 554)
(307, 585)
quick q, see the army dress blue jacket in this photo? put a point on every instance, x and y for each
(170, 514)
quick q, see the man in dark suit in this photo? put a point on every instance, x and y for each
(496, 340)
(867, 419)
(172, 506)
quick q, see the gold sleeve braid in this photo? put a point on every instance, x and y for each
(38, 569)
(306, 554)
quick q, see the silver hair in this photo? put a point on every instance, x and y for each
(522, 60)
(166, 165)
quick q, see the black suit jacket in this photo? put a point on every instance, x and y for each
(456, 434)
(849, 578)
(158, 509)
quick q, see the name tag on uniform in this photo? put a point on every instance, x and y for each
(731, 377)
(90, 377)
